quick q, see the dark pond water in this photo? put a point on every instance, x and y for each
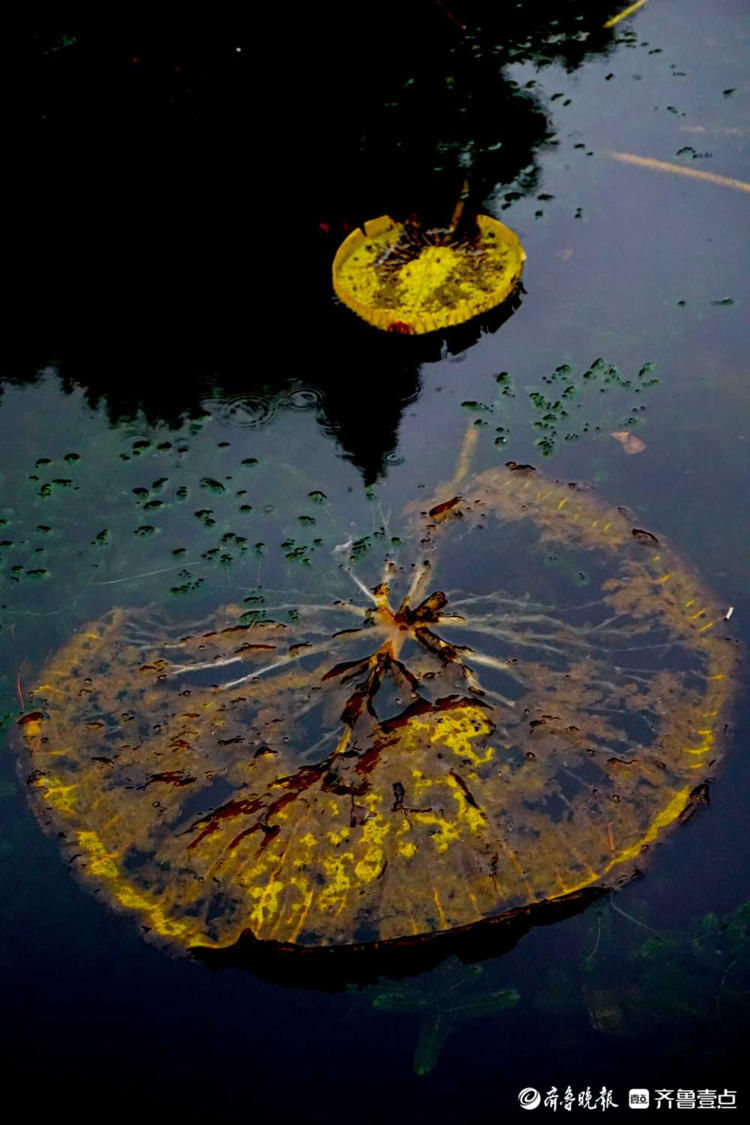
(178, 387)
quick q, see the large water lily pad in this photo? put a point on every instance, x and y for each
(403, 760)
(403, 278)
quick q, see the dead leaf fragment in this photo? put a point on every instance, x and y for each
(679, 170)
(629, 442)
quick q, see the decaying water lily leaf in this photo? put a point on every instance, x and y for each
(412, 760)
(403, 278)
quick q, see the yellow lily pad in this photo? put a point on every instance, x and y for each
(406, 279)
(413, 759)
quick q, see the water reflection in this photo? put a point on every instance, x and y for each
(172, 231)
(603, 285)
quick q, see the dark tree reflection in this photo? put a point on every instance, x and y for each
(179, 190)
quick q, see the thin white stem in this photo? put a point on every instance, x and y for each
(630, 917)
(493, 597)
(149, 573)
(502, 635)
(184, 669)
(503, 699)
(493, 662)
(308, 651)
(385, 519)
(603, 624)
(523, 603)
(314, 749)
(358, 582)
(313, 607)
(420, 579)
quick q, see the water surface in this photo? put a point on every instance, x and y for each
(169, 433)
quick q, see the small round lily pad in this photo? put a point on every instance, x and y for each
(408, 279)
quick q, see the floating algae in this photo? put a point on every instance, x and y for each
(405, 760)
(441, 1009)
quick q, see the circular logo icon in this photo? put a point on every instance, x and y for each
(529, 1098)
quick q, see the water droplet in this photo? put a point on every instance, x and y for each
(302, 400)
(244, 410)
